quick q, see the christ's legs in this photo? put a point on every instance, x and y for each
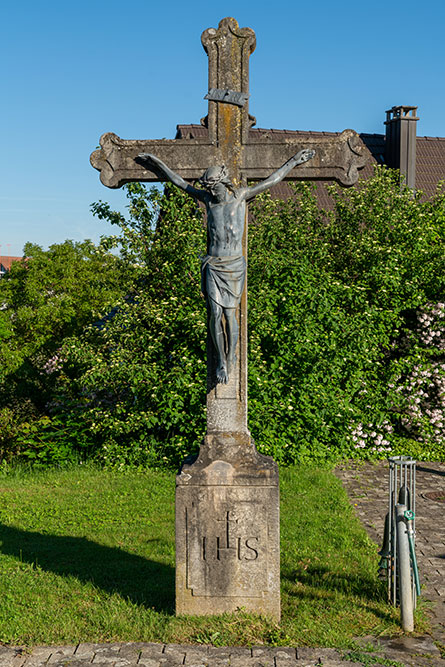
(232, 331)
(217, 333)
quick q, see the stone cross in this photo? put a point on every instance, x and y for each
(227, 521)
(228, 142)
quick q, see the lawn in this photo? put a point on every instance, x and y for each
(88, 555)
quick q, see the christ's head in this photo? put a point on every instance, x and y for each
(216, 181)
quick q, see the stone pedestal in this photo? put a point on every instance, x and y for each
(227, 530)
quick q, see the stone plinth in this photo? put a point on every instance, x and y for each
(227, 530)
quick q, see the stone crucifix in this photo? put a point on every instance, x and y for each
(227, 499)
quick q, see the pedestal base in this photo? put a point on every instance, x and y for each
(227, 530)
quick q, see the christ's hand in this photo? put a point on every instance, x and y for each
(147, 158)
(304, 156)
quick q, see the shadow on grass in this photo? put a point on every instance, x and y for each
(350, 584)
(326, 583)
(326, 579)
(143, 582)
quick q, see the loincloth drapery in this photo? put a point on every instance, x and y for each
(223, 278)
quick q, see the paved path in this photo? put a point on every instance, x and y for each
(417, 653)
(367, 487)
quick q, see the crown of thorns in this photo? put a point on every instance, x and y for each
(211, 176)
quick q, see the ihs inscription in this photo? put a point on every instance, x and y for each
(227, 555)
(219, 547)
(213, 548)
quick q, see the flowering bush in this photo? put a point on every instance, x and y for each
(335, 335)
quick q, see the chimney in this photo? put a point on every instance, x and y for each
(400, 143)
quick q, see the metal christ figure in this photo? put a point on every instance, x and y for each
(223, 270)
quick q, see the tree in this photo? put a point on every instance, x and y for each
(45, 298)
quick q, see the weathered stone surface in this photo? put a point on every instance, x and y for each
(196, 656)
(227, 501)
(39, 656)
(11, 657)
(286, 652)
(116, 158)
(239, 661)
(132, 650)
(152, 649)
(174, 652)
(220, 652)
(339, 158)
(146, 661)
(229, 48)
(336, 158)
(227, 530)
(408, 651)
(88, 649)
(60, 653)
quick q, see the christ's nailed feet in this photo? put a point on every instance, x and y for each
(221, 374)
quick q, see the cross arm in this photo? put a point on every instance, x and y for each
(153, 163)
(336, 158)
(300, 158)
(115, 159)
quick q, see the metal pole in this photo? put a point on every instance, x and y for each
(405, 588)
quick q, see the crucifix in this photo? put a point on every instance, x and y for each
(229, 475)
(224, 267)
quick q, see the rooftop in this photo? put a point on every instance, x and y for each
(430, 157)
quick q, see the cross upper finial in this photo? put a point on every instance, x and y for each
(228, 49)
(248, 156)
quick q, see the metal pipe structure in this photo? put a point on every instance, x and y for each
(402, 490)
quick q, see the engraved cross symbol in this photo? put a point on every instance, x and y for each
(247, 157)
(227, 520)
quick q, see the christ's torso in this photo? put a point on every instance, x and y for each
(225, 223)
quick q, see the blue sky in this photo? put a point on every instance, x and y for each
(72, 71)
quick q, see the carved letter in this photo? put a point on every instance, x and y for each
(251, 548)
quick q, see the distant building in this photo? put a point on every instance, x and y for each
(5, 264)
(421, 160)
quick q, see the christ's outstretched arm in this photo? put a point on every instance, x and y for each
(158, 166)
(279, 174)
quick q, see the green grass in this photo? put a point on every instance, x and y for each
(88, 555)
